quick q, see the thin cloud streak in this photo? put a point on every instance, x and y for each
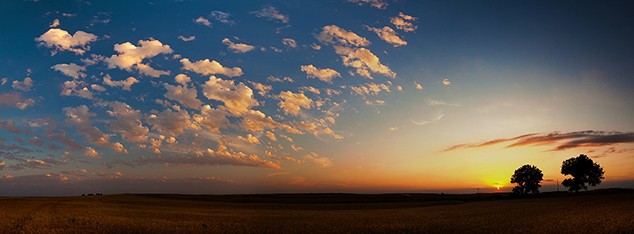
(561, 141)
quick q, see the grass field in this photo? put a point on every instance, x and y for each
(610, 211)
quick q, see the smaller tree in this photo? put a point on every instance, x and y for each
(527, 178)
(584, 172)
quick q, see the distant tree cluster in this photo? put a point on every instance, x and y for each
(583, 170)
(90, 194)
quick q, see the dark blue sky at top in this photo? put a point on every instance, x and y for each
(563, 34)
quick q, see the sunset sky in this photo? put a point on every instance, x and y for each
(185, 96)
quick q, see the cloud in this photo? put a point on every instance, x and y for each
(54, 24)
(404, 22)
(98, 88)
(418, 85)
(119, 148)
(271, 13)
(370, 89)
(289, 42)
(271, 136)
(560, 141)
(32, 163)
(9, 126)
(13, 99)
(203, 21)
(249, 139)
(325, 75)
(24, 85)
(182, 79)
(320, 161)
(61, 40)
(388, 35)
(278, 79)
(434, 102)
(80, 118)
(211, 119)
(257, 121)
(261, 88)
(209, 157)
(237, 98)
(130, 57)
(183, 38)
(446, 82)
(237, 47)
(171, 123)
(221, 17)
(123, 84)
(72, 70)
(206, 67)
(127, 122)
(187, 96)
(4, 80)
(36, 141)
(364, 61)
(293, 102)
(76, 88)
(91, 152)
(334, 35)
(380, 4)
(425, 122)
(311, 89)
(319, 127)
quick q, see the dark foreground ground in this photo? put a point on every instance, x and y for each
(607, 211)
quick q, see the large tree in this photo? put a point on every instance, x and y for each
(584, 172)
(527, 178)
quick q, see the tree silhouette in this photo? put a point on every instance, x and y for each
(583, 171)
(527, 178)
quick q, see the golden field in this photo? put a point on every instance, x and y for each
(610, 211)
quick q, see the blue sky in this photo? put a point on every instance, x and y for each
(317, 96)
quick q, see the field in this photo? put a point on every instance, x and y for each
(608, 211)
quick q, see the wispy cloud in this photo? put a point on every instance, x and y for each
(271, 13)
(427, 121)
(380, 4)
(434, 102)
(560, 141)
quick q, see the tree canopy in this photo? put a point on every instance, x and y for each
(584, 172)
(527, 178)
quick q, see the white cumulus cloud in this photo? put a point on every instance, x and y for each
(72, 70)
(237, 47)
(325, 75)
(292, 103)
(237, 98)
(206, 67)
(130, 57)
(61, 40)
(24, 85)
(404, 22)
(388, 35)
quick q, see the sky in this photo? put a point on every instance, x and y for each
(365, 96)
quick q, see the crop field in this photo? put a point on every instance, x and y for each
(593, 212)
